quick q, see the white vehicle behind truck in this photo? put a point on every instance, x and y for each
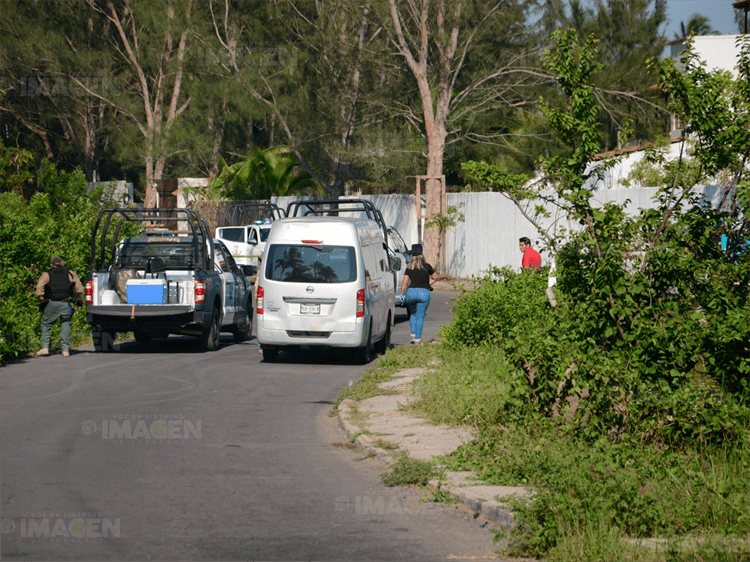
(244, 229)
(327, 281)
(245, 242)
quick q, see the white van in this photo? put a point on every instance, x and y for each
(325, 281)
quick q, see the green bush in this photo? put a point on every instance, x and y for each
(57, 221)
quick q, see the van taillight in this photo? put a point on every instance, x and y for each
(361, 303)
(89, 292)
(259, 300)
(200, 292)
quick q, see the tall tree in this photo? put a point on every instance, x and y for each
(46, 51)
(151, 41)
(435, 40)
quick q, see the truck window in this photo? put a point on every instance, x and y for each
(175, 255)
(234, 234)
(311, 264)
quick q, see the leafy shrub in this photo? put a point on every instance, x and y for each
(58, 221)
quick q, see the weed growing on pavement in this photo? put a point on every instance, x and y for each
(386, 445)
(400, 357)
(407, 471)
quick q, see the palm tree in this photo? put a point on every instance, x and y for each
(263, 174)
(697, 25)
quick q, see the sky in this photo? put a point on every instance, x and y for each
(719, 12)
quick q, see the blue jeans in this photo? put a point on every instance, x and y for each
(417, 300)
(54, 310)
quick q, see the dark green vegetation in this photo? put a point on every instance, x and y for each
(57, 220)
(627, 405)
(146, 90)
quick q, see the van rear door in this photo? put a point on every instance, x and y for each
(310, 286)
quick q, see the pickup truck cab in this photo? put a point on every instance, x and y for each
(164, 280)
(246, 243)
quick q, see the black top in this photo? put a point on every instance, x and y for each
(420, 278)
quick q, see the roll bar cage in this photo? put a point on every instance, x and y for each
(328, 206)
(248, 212)
(197, 229)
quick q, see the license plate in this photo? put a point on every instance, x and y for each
(309, 309)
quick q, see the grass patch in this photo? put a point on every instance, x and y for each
(396, 359)
(472, 389)
(590, 499)
(593, 501)
(386, 445)
(406, 471)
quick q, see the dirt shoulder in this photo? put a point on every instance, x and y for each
(452, 284)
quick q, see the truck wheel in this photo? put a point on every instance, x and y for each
(270, 353)
(243, 330)
(385, 344)
(363, 354)
(142, 337)
(104, 340)
(209, 339)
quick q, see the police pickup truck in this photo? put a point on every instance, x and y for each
(156, 272)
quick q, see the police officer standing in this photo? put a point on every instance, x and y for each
(58, 290)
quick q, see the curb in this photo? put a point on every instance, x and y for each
(461, 486)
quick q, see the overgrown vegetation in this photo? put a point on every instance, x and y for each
(394, 360)
(627, 406)
(56, 220)
(407, 471)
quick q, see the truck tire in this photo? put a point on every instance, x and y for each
(142, 337)
(209, 339)
(243, 330)
(104, 340)
(270, 353)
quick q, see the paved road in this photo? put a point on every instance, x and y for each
(160, 452)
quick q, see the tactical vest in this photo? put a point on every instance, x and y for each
(60, 287)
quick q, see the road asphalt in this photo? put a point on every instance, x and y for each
(383, 419)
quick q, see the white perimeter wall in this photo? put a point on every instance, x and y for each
(493, 224)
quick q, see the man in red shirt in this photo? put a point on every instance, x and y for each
(531, 258)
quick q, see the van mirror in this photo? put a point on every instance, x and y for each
(395, 263)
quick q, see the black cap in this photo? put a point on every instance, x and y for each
(416, 249)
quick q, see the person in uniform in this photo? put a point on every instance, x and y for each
(58, 289)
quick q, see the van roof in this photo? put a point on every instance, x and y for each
(324, 228)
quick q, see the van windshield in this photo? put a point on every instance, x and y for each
(311, 264)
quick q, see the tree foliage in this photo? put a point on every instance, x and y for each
(651, 329)
(266, 173)
(57, 220)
